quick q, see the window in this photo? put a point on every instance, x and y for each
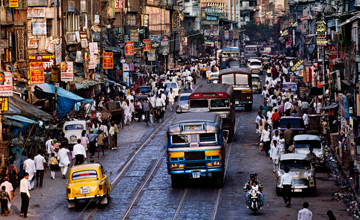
(199, 103)
(295, 164)
(241, 79)
(74, 127)
(179, 140)
(219, 103)
(209, 137)
(295, 123)
(228, 79)
(49, 27)
(84, 174)
(184, 98)
(307, 144)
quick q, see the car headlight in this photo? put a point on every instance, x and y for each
(215, 81)
(216, 163)
(174, 165)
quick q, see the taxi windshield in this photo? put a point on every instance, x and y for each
(295, 164)
(307, 144)
(74, 127)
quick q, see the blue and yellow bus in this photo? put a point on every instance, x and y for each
(195, 148)
(229, 54)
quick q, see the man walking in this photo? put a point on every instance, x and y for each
(171, 98)
(49, 147)
(25, 195)
(305, 213)
(79, 153)
(287, 184)
(288, 136)
(92, 144)
(63, 160)
(29, 167)
(9, 189)
(265, 139)
(40, 165)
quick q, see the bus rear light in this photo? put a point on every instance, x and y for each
(174, 165)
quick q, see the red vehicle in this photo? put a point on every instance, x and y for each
(240, 79)
(217, 98)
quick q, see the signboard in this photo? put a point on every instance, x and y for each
(4, 102)
(33, 43)
(37, 73)
(147, 46)
(39, 28)
(343, 106)
(321, 33)
(67, 71)
(165, 41)
(92, 63)
(226, 35)
(48, 61)
(129, 48)
(126, 79)
(297, 65)
(13, 3)
(119, 5)
(151, 55)
(108, 60)
(6, 84)
(93, 48)
(126, 67)
(134, 35)
(58, 54)
(36, 12)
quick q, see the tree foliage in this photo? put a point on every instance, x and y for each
(258, 33)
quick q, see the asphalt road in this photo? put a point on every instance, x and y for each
(142, 187)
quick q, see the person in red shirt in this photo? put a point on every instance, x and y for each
(275, 119)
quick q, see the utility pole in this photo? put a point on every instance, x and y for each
(101, 41)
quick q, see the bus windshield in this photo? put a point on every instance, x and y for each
(241, 79)
(219, 103)
(228, 79)
(199, 103)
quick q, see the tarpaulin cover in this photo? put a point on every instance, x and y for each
(66, 100)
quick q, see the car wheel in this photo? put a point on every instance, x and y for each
(71, 204)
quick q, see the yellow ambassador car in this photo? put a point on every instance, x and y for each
(87, 182)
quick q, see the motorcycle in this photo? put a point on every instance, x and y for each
(254, 200)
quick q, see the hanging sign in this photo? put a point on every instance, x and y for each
(129, 48)
(165, 41)
(119, 4)
(297, 66)
(6, 84)
(4, 102)
(151, 55)
(134, 35)
(93, 48)
(147, 46)
(321, 33)
(37, 73)
(13, 3)
(58, 54)
(67, 71)
(108, 60)
(126, 67)
(48, 61)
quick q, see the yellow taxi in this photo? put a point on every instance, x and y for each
(256, 83)
(213, 77)
(87, 182)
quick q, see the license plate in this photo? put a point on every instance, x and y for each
(297, 190)
(196, 175)
(84, 190)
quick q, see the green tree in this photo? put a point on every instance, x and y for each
(258, 33)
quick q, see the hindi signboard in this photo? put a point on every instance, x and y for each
(6, 84)
(129, 48)
(67, 71)
(108, 60)
(147, 47)
(13, 3)
(37, 73)
(48, 60)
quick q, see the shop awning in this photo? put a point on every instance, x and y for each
(66, 99)
(27, 109)
(14, 123)
(334, 105)
(21, 119)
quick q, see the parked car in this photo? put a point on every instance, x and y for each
(256, 83)
(303, 142)
(296, 123)
(213, 77)
(73, 129)
(302, 171)
(173, 85)
(87, 182)
(183, 104)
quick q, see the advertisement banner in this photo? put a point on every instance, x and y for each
(321, 34)
(165, 41)
(48, 61)
(226, 35)
(39, 28)
(147, 47)
(134, 35)
(93, 48)
(36, 13)
(126, 67)
(126, 78)
(67, 71)
(6, 84)
(13, 3)
(119, 4)
(108, 60)
(151, 55)
(37, 73)
(129, 48)
(58, 54)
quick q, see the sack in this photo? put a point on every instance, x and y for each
(261, 147)
(291, 148)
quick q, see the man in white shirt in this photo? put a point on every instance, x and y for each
(29, 167)
(25, 195)
(287, 184)
(287, 107)
(49, 147)
(127, 113)
(159, 102)
(64, 161)
(171, 98)
(79, 153)
(306, 119)
(40, 165)
(275, 154)
(305, 213)
(8, 187)
(265, 139)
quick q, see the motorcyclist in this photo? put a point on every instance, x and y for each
(248, 187)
